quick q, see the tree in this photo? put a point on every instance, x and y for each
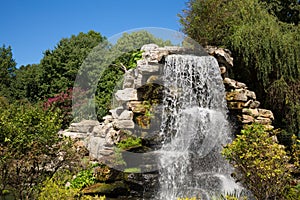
(7, 70)
(26, 83)
(266, 51)
(59, 67)
(285, 10)
(30, 148)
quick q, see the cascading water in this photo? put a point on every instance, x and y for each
(195, 127)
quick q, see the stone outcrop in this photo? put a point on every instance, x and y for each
(138, 115)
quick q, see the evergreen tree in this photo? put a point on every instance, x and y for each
(7, 70)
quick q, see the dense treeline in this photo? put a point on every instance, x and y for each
(264, 36)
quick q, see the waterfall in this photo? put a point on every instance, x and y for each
(195, 126)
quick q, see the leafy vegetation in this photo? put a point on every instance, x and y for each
(130, 142)
(261, 164)
(264, 38)
(56, 188)
(30, 148)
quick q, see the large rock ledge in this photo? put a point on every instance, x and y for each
(138, 116)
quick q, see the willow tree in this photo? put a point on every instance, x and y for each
(266, 49)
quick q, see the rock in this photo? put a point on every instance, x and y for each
(266, 113)
(136, 106)
(112, 137)
(235, 105)
(95, 145)
(128, 79)
(138, 81)
(142, 185)
(123, 124)
(154, 79)
(128, 94)
(149, 47)
(252, 104)
(268, 127)
(247, 119)
(222, 70)
(237, 95)
(148, 68)
(264, 121)
(116, 112)
(109, 189)
(84, 126)
(74, 135)
(126, 115)
(232, 84)
(251, 112)
(81, 148)
(107, 118)
(223, 56)
(102, 130)
(251, 94)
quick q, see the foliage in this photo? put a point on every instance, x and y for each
(118, 157)
(55, 188)
(285, 10)
(132, 170)
(59, 67)
(63, 102)
(30, 148)
(261, 164)
(130, 142)
(266, 50)
(7, 70)
(109, 80)
(26, 83)
(83, 179)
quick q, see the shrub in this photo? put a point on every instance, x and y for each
(30, 148)
(261, 164)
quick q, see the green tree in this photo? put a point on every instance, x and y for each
(26, 83)
(30, 148)
(285, 10)
(261, 164)
(59, 67)
(7, 70)
(266, 50)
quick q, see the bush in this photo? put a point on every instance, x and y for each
(56, 188)
(30, 148)
(261, 164)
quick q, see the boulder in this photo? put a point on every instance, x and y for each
(237, 95)
(247, 119)
(263, 121)
(136, 106)
(265, 113)
(126, 115)
(128, 94)
(250, 111)
(148, 68)
(123, 124)
(149, 47)
(84, 126)
(110, 189)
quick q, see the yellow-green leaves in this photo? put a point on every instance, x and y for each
(261, 164)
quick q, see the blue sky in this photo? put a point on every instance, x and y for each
(32, 26)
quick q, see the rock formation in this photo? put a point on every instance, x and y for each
(137, 115)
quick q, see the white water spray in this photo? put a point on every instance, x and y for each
(195, 127)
